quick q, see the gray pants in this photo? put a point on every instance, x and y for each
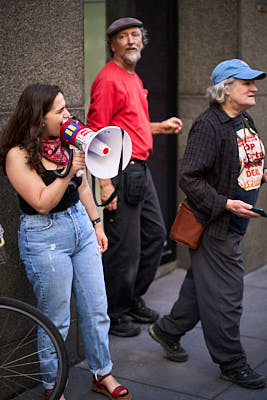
(212, 292)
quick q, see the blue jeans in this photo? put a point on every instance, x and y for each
(61, 255)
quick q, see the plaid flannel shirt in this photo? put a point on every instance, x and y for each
(210, 167)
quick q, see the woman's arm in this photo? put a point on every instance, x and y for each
(87, 199)
(30, 185)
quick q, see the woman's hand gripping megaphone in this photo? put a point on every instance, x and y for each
(75, 150)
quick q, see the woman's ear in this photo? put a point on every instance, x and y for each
(226, 91)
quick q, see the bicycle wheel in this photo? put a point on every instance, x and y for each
(22, 356)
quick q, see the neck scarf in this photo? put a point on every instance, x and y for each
(52, 150)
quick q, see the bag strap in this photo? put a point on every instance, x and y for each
(119, 185)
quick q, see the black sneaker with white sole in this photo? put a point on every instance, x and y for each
(173, 350)
(245, 377)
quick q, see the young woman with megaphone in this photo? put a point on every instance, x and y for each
(61, 236)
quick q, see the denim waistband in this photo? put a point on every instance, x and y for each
(76, 208)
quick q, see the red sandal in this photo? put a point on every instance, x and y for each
(98, 387)
(47, 394)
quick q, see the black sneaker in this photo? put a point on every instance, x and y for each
(245, 377)
(173, 350)
(141, 313)
(123, 327)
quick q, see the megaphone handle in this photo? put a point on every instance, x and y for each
(80, 172)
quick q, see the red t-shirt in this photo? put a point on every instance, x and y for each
(119, 98)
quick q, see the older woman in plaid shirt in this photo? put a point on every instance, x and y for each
(221, 173)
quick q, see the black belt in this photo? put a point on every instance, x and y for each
(136, 161)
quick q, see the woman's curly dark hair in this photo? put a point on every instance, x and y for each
(25, 126)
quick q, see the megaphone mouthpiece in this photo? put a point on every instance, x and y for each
(99, 147)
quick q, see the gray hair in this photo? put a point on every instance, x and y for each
(145, 40)
(216, 93)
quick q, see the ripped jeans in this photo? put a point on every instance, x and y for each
(60, 253)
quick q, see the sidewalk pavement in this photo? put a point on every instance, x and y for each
(140, 365)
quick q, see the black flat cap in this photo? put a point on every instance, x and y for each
(122, 23)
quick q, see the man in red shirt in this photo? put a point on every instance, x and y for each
(133, 221)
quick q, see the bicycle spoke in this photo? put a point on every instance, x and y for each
(22, 341)
(26, 364)
(27, 356)
(26, 390)
(19, 374)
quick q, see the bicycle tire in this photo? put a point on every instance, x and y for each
(16, 365)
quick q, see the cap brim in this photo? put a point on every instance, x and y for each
(252, 74)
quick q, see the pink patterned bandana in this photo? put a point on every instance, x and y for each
(52, 150)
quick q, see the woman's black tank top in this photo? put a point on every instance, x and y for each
(70, 197)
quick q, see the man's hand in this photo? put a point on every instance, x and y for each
(171, 125)
(106, 189)
(240, 208)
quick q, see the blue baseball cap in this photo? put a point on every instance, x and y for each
(234, 68)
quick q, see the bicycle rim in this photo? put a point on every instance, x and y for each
(21, 358)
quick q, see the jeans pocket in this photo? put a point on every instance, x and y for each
(37, 223)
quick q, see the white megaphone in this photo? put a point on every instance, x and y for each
(103, 149)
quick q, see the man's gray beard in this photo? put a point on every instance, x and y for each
(132, 58)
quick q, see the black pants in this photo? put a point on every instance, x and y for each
(136, 235)
(212, 292)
